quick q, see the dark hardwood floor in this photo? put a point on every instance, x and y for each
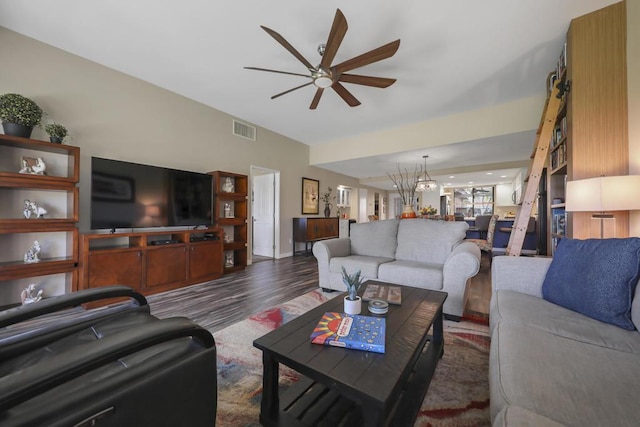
(220, 303)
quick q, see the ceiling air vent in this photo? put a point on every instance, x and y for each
(244, 130)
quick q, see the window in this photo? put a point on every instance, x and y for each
(473, 201)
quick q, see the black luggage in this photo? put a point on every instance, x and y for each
(62, 365)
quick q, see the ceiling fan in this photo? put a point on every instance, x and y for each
(325, 75)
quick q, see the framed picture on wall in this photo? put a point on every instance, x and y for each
(310, 196)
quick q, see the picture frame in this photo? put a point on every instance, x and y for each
(112, 188)
(310, 196)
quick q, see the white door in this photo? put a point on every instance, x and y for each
(263, 214)
(362, 205)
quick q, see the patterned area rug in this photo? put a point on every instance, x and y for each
(458, 394)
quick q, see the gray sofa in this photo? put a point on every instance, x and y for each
(414, 252)
(551, 366)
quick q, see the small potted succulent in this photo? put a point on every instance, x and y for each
(19, 114)
(56, 132)
(352, 302)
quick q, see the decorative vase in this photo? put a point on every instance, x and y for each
(55, 140)
(352, 307)
(15, 129)
(408, 212)
(327, 210)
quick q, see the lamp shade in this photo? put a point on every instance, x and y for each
(152, 211)
(603, 194)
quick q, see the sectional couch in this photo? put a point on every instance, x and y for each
(565, 348)
(423, 253)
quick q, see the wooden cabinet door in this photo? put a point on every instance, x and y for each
(116, 268)
(205, 259)
(166, 265)
(331, 227)
(314, 228)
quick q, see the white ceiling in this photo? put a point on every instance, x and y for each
(454, 56)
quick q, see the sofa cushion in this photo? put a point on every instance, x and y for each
(427, 240)
(595, 277)
(375, 238)
(412, 273)
(562, 379)
(515, 307)
(368, 265)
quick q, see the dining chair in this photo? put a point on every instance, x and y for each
(485, 245)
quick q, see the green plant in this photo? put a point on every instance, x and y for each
(353, 283)
(15, 108)
(328, 197)
(55, 130)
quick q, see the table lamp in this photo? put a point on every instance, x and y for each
(603, 194)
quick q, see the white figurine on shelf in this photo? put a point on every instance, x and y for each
(39, 168)
(226, 238)
(227, 210)
(228, 259)
(227, 187)
(29, 294)
(33, 254)
(33, 208)
(37, 210)
(26, 212)
(25, 167)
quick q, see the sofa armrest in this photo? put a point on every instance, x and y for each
(324, 250)
(462, 263)
(521, 274)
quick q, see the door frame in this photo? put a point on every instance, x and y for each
(259, 170)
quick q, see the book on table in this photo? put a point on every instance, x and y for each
(352, 331)
(390, 294)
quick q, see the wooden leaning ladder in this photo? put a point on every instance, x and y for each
(541, 150)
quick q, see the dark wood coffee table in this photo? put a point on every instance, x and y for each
(359, 387)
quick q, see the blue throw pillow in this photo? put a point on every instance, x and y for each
(595, 277)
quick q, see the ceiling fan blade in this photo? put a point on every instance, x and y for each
(366, 80)
(375, 55)
(316, 99)
(336, 35)
(276, 71)
(345, 94)
(288, 46)
(291, 90)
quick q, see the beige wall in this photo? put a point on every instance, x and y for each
(110, 114)
(633, 87)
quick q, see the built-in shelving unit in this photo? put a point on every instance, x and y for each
(591, 137)
(56, 191)
(230, 214)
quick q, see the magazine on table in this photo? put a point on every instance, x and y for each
(388, 293)
(352, 331)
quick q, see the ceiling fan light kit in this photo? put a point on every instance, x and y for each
(325, 75)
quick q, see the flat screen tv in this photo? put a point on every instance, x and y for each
(132, 195)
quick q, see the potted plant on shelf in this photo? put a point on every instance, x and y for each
(19, 114)
(56, 132)
(327, 198)
(406, 185)
(352, 302)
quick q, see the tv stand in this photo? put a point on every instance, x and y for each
(150, 262)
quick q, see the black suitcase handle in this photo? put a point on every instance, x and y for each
(61, 302)
(21, 386)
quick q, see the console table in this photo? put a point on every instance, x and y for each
(309, 230)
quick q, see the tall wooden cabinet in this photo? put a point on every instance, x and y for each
(595, 114)
(230, 214)
(56, 191)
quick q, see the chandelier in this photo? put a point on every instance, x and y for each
(426, 183)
